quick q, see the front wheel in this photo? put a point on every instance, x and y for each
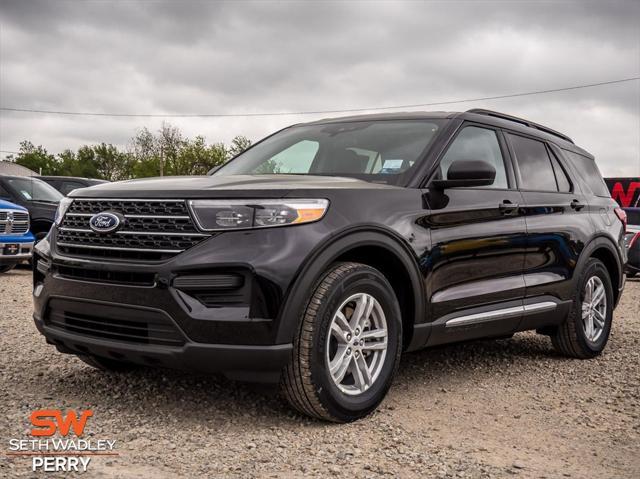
(585, 332)
(348, 345)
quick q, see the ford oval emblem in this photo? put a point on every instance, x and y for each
(105, 222)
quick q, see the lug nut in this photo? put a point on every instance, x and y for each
(362, 342)
(357, 354)
(357, 332)
(348, 337)
(348, 351)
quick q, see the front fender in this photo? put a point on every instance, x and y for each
(310, 273)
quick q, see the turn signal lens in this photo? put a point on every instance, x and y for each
(220, 215)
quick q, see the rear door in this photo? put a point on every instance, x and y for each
(557, 218)
(478, 244)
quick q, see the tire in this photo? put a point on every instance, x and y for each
(571, 337)
(5, 268)
(307, 382)
(106, 364)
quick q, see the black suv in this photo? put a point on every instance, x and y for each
(66, 184)
(321, 253)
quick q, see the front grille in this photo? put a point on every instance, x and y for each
(131, 207)
(152, 230)
(14, 222)
(139, 326)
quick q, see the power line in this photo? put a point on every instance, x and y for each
(313, 112)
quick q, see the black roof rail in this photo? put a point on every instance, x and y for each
(522, 121)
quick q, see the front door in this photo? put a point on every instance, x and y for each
(474, 282)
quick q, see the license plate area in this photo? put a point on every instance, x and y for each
(11, 249)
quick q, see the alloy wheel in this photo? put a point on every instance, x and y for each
(594, 309)
(357, 344)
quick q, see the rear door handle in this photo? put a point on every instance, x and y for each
(507, 208)
(576, 205)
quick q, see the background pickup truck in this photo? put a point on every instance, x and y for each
(16, 241)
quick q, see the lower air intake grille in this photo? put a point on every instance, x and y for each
(114, 323)
(115, 277)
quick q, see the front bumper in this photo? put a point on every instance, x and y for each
(240, 334)
(242, 362)
(25, 250)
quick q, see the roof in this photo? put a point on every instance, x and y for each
(11, 168)
(56, 177)
(494, 118)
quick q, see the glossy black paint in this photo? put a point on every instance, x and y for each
(447, 253)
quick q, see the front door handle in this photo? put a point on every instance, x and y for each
(507, 207)
(576, 205)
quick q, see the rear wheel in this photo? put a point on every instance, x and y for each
(348, 345)
(106, 364)
(585, 332)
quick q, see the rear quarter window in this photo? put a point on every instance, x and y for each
(588, 171)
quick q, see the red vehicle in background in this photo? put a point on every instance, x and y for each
(626, 191)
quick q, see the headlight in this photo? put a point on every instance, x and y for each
(62, 209)
(212, 215)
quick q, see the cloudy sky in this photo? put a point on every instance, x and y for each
(156, 57)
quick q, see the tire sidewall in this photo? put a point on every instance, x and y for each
(341, 405)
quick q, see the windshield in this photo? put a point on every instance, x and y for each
(35, 190)
(384, 151)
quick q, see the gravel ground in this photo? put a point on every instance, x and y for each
(481, 409)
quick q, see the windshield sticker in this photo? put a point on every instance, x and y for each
(392, 166)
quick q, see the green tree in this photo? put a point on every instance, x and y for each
(166, 152)
(112, 164)
(238, 145)
(36, 158)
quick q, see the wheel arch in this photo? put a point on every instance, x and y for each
(604, 249)
(373, 246)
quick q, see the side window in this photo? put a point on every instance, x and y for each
(564, 185)
(588, 171)
(295, 159)
(475, 143)
(536, 172)
(4, 193)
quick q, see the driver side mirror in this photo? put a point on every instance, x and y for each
(467, 173)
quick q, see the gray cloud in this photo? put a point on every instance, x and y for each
(190, 57)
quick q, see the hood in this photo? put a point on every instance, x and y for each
(5, 205)
(263, 186)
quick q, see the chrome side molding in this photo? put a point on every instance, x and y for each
(503, 313)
